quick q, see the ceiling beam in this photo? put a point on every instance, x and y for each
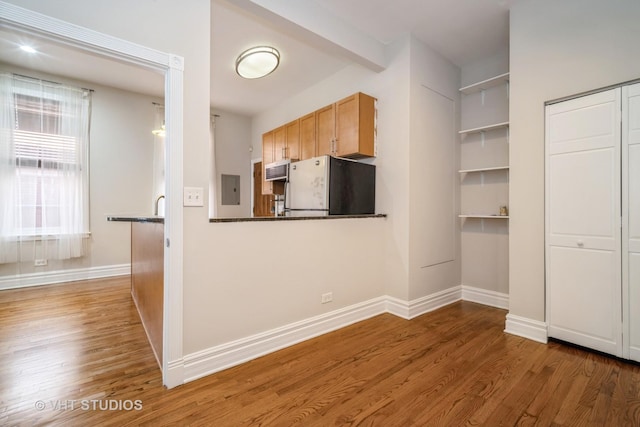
(311, 23)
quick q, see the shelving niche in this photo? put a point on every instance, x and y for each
(484, 184)
(484, 161)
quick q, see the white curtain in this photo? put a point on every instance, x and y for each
(44, 169)
(213, 182)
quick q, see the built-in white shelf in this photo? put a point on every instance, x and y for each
(497, 168)
(485, 128)
(483, 216)
(485, 84)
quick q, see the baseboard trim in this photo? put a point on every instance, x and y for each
(526, 328)
(218, 358)
(214, 359)
(410, 309)
(174, 376)
(634, 353)
(61, 276)
(485, 297)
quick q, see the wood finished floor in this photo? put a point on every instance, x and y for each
(76, 344)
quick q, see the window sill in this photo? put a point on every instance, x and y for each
(32, 238)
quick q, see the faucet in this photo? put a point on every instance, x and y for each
(155, 212)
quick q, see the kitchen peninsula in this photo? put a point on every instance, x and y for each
(295, 218)
(147, 274)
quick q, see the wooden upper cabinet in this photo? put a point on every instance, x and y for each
(286, 141)
(269, 156)
(346, 128)
(308, 136)
(292, 138)
(325, 130)
(355, 126)
(279, 144)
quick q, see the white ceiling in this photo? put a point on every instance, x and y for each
(62, 60)
(461, 30)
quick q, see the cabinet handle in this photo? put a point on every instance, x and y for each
(580, 244)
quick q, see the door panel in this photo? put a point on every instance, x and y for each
(583, 123)
(308, 136)
(631, 206)
(582, 199)
(634, 305)
(347, 131)
(583, 239)
(279, 144)
(261, 203)
(325, 130)
(581, 301)
(292, 137)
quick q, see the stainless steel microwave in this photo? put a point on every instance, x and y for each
(277, 171)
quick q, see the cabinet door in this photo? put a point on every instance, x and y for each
(583, 239)
(292, 137)
(631, 211)
(279, 144)
(307, 136)
(325, 130)
(355, 126)
(267, 157)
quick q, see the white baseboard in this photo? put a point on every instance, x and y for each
(526, 328)
(634, 353)
(417, 307)
(485, 297)
(174, 376)
(61, 276)
(214, 359)
(199, 364)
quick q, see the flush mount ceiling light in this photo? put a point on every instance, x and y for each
(257, 62)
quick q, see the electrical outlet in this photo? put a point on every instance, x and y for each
(325, 298)
(193, 196)
(40, 262)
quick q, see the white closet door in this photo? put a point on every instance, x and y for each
(583, 237)
(631, 215)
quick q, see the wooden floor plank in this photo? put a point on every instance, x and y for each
(83, 343)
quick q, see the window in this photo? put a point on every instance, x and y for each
(44, 170)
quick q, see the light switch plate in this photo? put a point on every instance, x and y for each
(193, 196)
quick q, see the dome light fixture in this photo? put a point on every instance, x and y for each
(257, 62)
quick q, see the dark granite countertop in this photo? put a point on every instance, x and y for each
(159, 219)
(136, 218)
(295, 218)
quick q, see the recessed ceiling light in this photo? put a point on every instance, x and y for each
(257, 62)
(28, 49)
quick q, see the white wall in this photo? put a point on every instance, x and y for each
(434, 242)
(121, 173)
(233, 157)
(292, 263)
(259, 276)
(557, 49)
